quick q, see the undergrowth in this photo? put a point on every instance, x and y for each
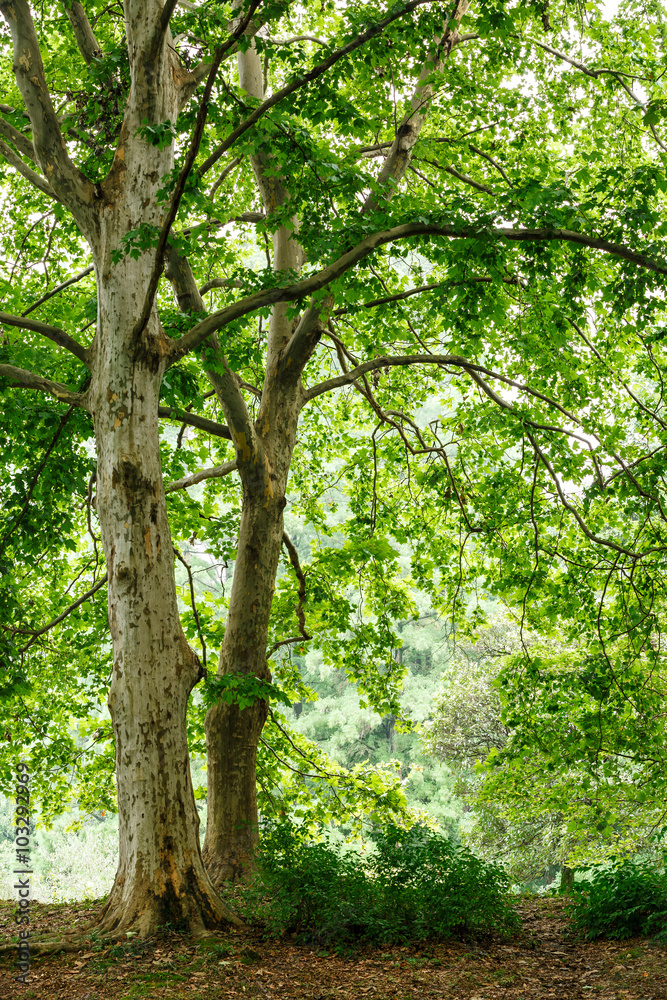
(414, 885)
(628, 900)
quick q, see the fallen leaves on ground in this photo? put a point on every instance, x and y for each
(544, 961)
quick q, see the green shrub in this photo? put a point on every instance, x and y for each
(415, 885)
(628, 900)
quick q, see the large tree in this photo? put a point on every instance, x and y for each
(493, 266)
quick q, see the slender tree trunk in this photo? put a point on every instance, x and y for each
(566, 879)
(232, 735)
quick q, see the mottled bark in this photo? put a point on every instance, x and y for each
(161, 878)
(264, 452)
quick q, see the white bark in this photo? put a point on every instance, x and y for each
(161, 878)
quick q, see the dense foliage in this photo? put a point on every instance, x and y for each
(411, 885)
(626, 900)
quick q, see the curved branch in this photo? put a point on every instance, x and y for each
(173, 413)
(215, 472)
(460, 176)
(69, 184)
(28, 380)
(14, 160)
(193, 604)
(296, 566)
(294, 38)
(593, 73)
(481, 279)
(490, 159)
(59, 288)
(224, 174)
(219, 283)
(53, 333)
(300, 289)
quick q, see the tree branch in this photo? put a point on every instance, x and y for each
(66, 612)
(175, 201)
(462, 177)
(53, 333)
(168, 9)
(89, 47)
(59, 288)
(490, 159)
(193, 603)
(301, 289)
(22, 143)
(222, 379)
(216, 472)
(607, 543)
(596, 74)
(593, 73)
(487, 279)
(293, 39)
(69, 184)
(14, 160)
(224, 174)
(193, 420)
(399, 155)
(227, 48)
(28, 380)
(228, 391)
(296, 566)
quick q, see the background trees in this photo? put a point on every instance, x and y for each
(397, 261)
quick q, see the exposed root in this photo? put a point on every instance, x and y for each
(52, 945)
(94, 937)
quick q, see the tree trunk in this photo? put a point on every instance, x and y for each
(566, 879)
(161, 879)
(232, 735)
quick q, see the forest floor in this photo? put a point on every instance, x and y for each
(543, 961)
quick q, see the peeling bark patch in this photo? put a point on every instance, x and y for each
(148, 545)
(134, 484)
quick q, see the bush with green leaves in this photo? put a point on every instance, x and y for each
(628, 900)
(411, 885)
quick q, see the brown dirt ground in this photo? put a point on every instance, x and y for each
(542, 962)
